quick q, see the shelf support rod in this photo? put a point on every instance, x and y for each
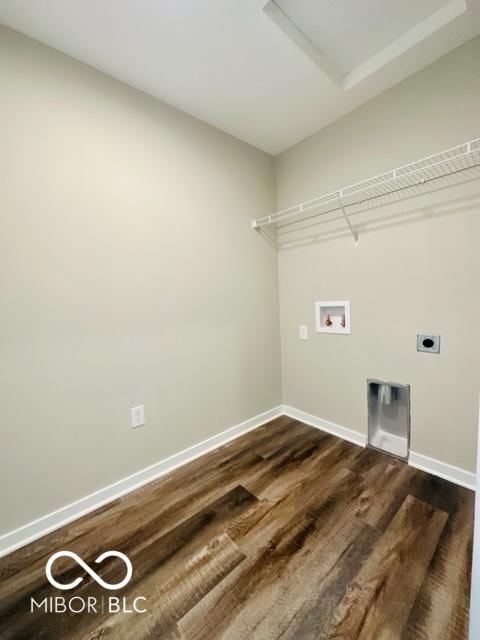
(347, 219)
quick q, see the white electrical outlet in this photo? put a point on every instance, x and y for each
(303, 332)
(137, 416)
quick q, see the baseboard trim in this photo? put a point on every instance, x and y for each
(40, 527)
(442, 470)
(417, 460)
(325, 425)
(46, 524)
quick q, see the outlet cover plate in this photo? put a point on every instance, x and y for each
(137, 416)
(428, 342)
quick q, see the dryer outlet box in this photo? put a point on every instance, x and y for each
(428, 342)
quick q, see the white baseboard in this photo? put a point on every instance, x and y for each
(46, 524)
(417, 460)
(326, 425)
(442, 470)
(56, 519)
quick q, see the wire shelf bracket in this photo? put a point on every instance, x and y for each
(353, 231)
(448, 162)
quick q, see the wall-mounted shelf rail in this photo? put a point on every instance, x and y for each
(448, 162)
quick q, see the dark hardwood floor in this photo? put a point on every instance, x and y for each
(286, 532)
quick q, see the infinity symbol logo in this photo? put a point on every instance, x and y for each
(95, 576)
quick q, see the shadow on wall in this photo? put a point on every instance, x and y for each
(365, 216)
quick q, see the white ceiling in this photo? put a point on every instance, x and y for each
(269, 77)
(350, 32)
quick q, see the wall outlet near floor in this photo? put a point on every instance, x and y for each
(303, 332)
(137, 416)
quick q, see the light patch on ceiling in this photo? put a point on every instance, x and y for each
(350, 41)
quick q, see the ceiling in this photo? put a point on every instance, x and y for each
(270, 73)
(351, 32)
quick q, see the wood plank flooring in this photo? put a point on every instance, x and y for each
(285, 533)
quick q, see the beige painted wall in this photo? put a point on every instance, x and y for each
(417, 267)
(129, 274)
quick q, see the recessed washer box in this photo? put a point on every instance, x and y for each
(428, 342)
(332, 316)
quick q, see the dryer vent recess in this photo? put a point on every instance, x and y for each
(428, 342)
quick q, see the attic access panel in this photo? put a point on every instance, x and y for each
(349, 40)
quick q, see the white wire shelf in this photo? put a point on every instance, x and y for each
(448, 162)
